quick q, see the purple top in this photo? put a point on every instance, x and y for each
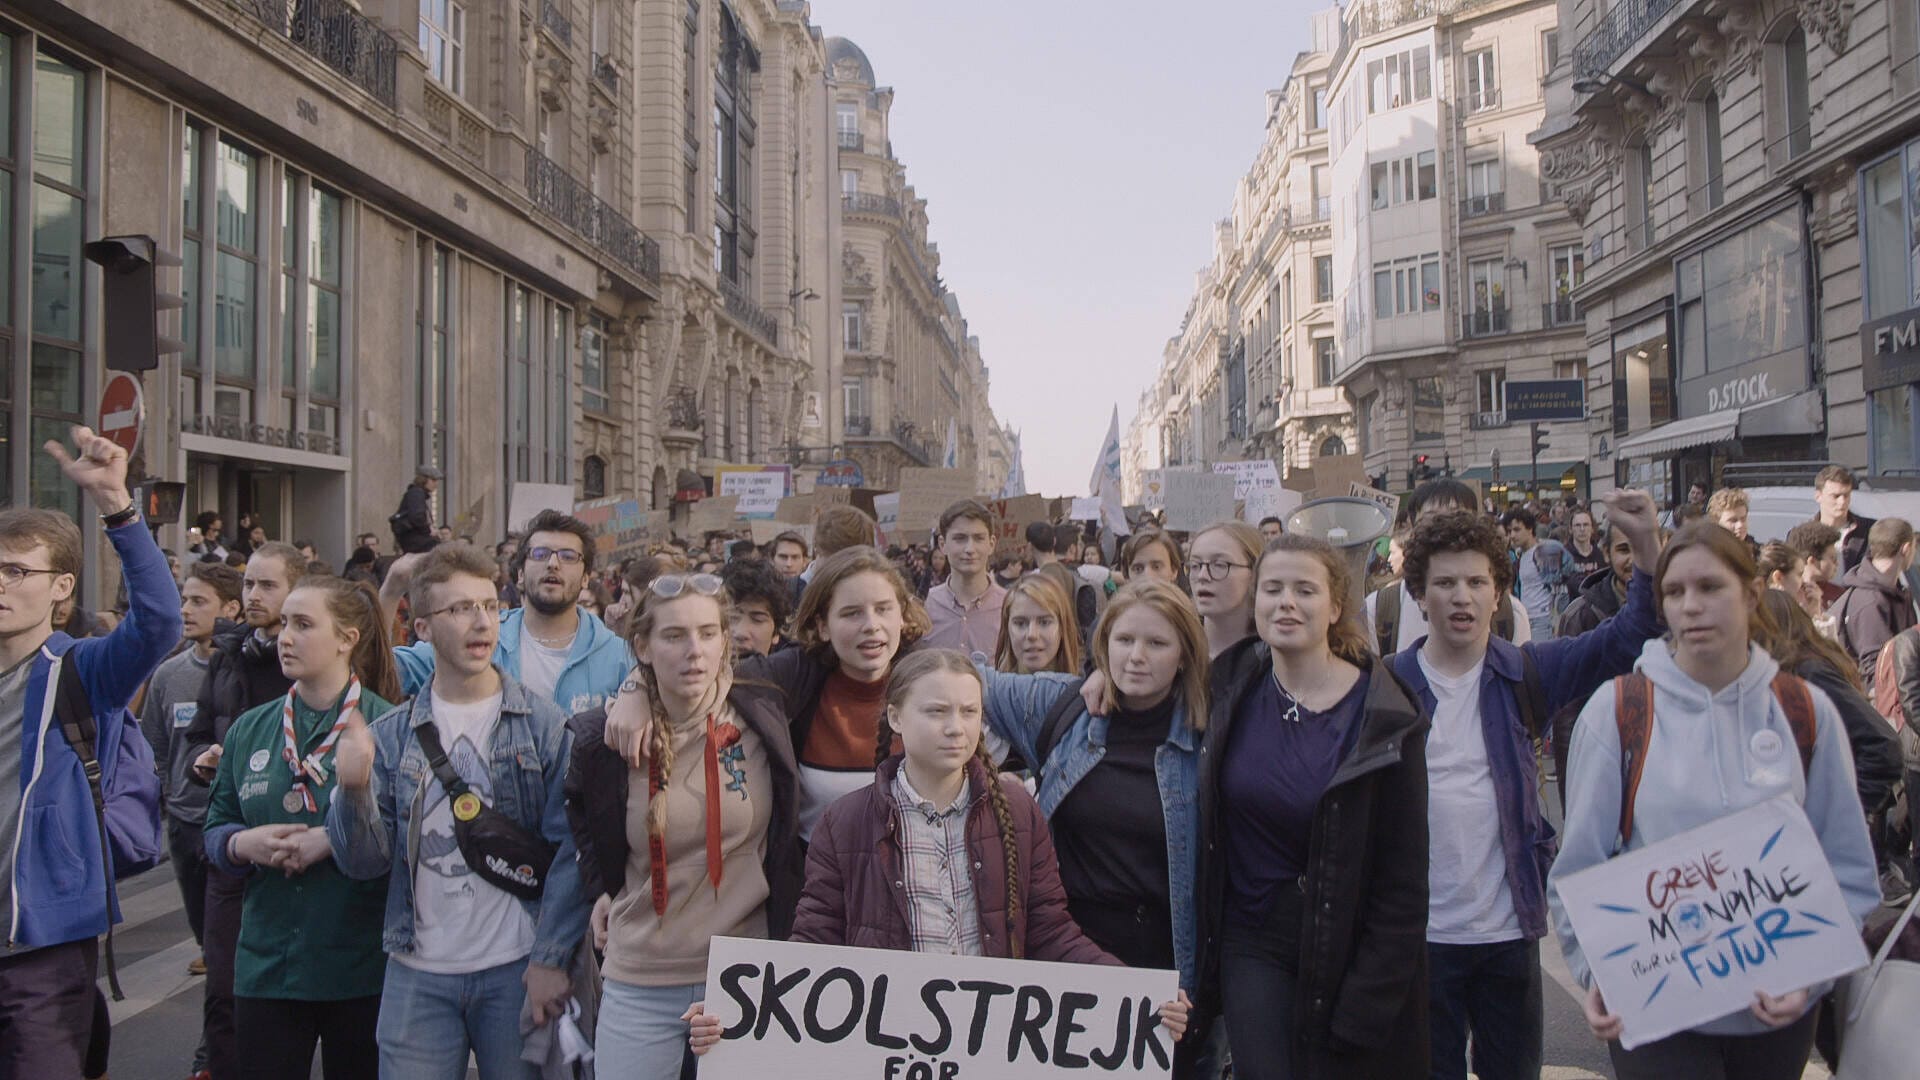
(1277, 767)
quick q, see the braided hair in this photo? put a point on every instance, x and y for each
(900, 684)
(660, 733)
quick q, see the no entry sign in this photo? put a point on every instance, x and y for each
(122, 408)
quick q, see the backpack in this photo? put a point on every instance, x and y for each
(1633, 716)
(1386, 618)
(1055, 725)
(1886, 688)
(126, 809)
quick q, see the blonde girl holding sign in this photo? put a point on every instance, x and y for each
(1720, 741)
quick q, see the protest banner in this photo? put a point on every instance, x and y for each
(886, 517)
(760, 487)
(1196, 500)
(1684, 931)
(1386, 499)
(925, 493)
(823, 1012)
(619, 527)
(526, 500)
(1011, 518)
(1153, 486)
(717, 513)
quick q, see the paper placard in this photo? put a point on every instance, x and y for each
(886, 518)
(1684, 931)
(1087, 509)
(1334, 475)
(716, 513)
(842, 1013)
(765, 531)
(619, 528)
(1248, 475)
(1197, 500)
(926, 493)
(1386, 499)
(760, 487)
(1276, 502)
(529, 499)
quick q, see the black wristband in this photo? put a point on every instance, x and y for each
(121, 517)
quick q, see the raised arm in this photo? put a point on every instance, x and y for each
(1017, 706)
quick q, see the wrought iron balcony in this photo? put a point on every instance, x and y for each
(1562, 312)
(1481, 205)
(1486, 421)
(1622, 28)
(868, 203)
(1486, 322)
(748, 313)
(556, 23)
(606, 73)
(860, 426)
(683, 409)
(852, 140)
(332, 32)
(554, 190)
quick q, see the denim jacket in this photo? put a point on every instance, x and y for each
(529, 754)
(1571, 669)
(1017, 708)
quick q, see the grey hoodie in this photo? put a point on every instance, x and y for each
(1701, 767)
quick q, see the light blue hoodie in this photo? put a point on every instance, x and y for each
(1700, 767)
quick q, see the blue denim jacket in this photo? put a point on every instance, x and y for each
(1017, 707)
(530, 750)
(1571, 669)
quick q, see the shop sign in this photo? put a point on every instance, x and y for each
(1751, 383)
(1546, 399)
(1891, 356)
(226, 427)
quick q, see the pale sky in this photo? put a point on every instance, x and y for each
(1074, 157)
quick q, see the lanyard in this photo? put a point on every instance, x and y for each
(313, 767)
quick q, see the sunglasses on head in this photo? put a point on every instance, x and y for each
(668, 586)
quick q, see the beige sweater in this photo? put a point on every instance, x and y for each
(644, 949)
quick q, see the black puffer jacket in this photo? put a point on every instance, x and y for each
(1360, 1003)
(238, 678)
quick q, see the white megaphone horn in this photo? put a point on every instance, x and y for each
(1350, 525)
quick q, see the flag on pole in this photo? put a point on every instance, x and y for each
(1016, 484)
(1105, 484)
(951, 459)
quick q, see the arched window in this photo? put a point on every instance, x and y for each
(1706, 164)
(1334, 446)
(593, 477)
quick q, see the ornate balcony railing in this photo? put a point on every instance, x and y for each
(868, 203)
(557, 23)
(1485, 322)
(1623, 27)
(860, 426)
(1481, 205)
(332, 32)
(751, 315)
(1563, 312)
(606, 73)
(683, 409)
(554, 190)
(852, 140)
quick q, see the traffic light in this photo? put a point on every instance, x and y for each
(132, 300)
(1421, 470)
(1539, 440)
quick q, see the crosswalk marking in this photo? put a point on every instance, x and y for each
(153, 980)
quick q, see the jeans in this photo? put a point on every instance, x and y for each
(429, 1023)
(639, 1033)
(1258, 969)
(1493, 992)
(277, 1035)
(47, 1010)
(1780, 1054)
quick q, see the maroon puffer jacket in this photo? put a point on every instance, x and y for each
(853, 895)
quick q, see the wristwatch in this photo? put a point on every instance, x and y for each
(121, 517)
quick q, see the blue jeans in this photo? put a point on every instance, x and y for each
(429, 1023)
(1493, 991)
(639, 1034)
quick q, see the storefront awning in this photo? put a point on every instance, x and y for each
(1680, 434)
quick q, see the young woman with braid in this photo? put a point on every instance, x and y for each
(698, 840)
(937, 804)
(309, 966)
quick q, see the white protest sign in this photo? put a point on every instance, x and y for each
(1197, 500)
(760, 488)
(886, 517)
(1684, 931)
(820, 1012)
(1248, 475)
(1084, 509)
(1153, 489)
(526, 500)
(1265, 503)
(1386, 499)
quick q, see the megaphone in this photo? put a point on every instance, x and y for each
(1350, 525)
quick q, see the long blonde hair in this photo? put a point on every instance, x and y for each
(1177, 608)
(1046, 592)
(640, 625)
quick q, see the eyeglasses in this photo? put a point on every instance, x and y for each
(565, 556)
(464, 609)
(668, 586)
(1216, 569)
(12, 574)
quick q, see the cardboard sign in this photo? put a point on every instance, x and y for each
(1684, 931)
(1153, 486)
(760, 487)
(926, 493)
(821, 1012)
(527, 500)
(717, 513)
(468, 523)
(886, 518)
(765, 531)
(1011, 518)
(619, 528)
(1265, 503)
(1385, 498)
(1335, 475)
(1087, 509)
(1197, 500)
(1256, 484)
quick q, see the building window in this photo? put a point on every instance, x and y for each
(1317, 116)
(1334, 446)
(1429, 412)
(1407, 286)
(57, 148)
(1568, 265)
(849, 182)
(1485, 192)
(847, 121)
(1641, 198)
(1399, 79)
(1742, 304)
(433, 314)
(190, 244)
(1643, 383)
(1704, 160)
(853, 398)
(237, 265)
(1286, 298)
(520, 384)
(1490, 390)
(1324, 358)
(539, 387)
(1549, 51)
(1403, 180)
(1890, 229)
(323, 232)
(593, 364)
(733, 146)
(8, 161)
(443, 42)
(593, 477)
(1483, 87)
(1323, 279)
(1487, 285)
(853, 327)
(690, 118)
(1789, 129)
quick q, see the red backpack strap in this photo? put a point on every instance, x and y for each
(1797, 702)
(1633, 716)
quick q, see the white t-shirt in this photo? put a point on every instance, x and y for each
(1468, 899)
(1413, 621)
(1533, 589)
(461, 923)
(540, 666)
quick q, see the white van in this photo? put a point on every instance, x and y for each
(1774, 510)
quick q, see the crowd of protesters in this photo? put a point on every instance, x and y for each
(1193, 752)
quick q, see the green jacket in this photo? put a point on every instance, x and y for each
(313, 936)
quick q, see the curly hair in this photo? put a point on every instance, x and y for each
(810, 619)
(1455, 530)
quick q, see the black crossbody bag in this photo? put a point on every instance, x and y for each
(495, 846)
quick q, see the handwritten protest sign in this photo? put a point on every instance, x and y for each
(760, 487)
(619, 527)
(526, 500)
(1011, 518)
(925, 493)
(818, 1012)
(716, 513)
(1196, 500)
(1084, 509)
(1386, 499)
(1684, 931)
(1264, 503)
(886, 517)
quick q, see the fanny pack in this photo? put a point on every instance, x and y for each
(496, 847)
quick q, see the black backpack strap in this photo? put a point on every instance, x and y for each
(73, 711)
(1055, 726)
(443, 770)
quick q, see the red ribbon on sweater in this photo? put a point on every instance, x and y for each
(718, 738)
